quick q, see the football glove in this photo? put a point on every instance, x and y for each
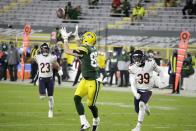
(75, 34)
(60, 72)
(137, 96)
(65, 35)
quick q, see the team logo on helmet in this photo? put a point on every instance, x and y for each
(89, 38)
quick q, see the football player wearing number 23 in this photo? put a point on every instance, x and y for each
(46, 62)
(90, 84)
(142, 82)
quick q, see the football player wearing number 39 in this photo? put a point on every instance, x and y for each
(142, 82)
(90, 84)
(46, 62)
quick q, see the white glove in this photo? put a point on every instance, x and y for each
(60, 72)
(37, 82)
(75, 34)
(137, 96)
(65, 35)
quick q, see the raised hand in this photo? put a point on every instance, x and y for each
(75, 34)
(65, 35)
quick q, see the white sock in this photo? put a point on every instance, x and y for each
(51, 103)
(139, 124)
(83, 119)
(141, 113)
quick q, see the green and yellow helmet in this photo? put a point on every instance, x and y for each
(89, 38)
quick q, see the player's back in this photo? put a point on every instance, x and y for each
(89, 65)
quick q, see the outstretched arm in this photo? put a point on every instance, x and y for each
(159, 81)
(76, 36)
(65, 36)
(58, 67)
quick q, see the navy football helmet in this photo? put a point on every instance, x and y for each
(44, 49)
(138, 57)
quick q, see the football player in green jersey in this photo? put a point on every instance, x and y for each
(90, 84)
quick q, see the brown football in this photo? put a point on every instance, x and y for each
(60, 12)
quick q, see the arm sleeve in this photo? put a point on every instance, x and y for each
(133, 87)
(156, 68)
(132, 81)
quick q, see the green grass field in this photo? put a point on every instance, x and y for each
(22, 110)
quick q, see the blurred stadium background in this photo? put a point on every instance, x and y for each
(158, 30)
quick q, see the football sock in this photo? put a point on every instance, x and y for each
(51, 103)
(79, 105)
(139, 124)
(141, 113)
(83, 119)
(94, 111)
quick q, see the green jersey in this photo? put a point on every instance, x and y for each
(89, 67)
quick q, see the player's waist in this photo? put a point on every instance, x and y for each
(45, 75)
(90, 78)
(50, 77)
(144, 90)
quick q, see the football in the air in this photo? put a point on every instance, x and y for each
(60, 12)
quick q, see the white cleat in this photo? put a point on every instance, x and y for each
(50, 114)
(42, 97)
(96, 122)
(136, 129)
(85, 127)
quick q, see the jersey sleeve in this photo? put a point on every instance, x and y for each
(131, 69)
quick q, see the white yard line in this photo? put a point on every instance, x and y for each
(131, 106)
(114, 88)
(122, 105)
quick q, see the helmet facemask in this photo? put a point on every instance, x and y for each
(138, 58)
(44, 49)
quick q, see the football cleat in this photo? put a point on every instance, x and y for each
(96, 122)
(50, 114)
(85, 127)
(137, 128)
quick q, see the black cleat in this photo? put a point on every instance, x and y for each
(94, 128)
